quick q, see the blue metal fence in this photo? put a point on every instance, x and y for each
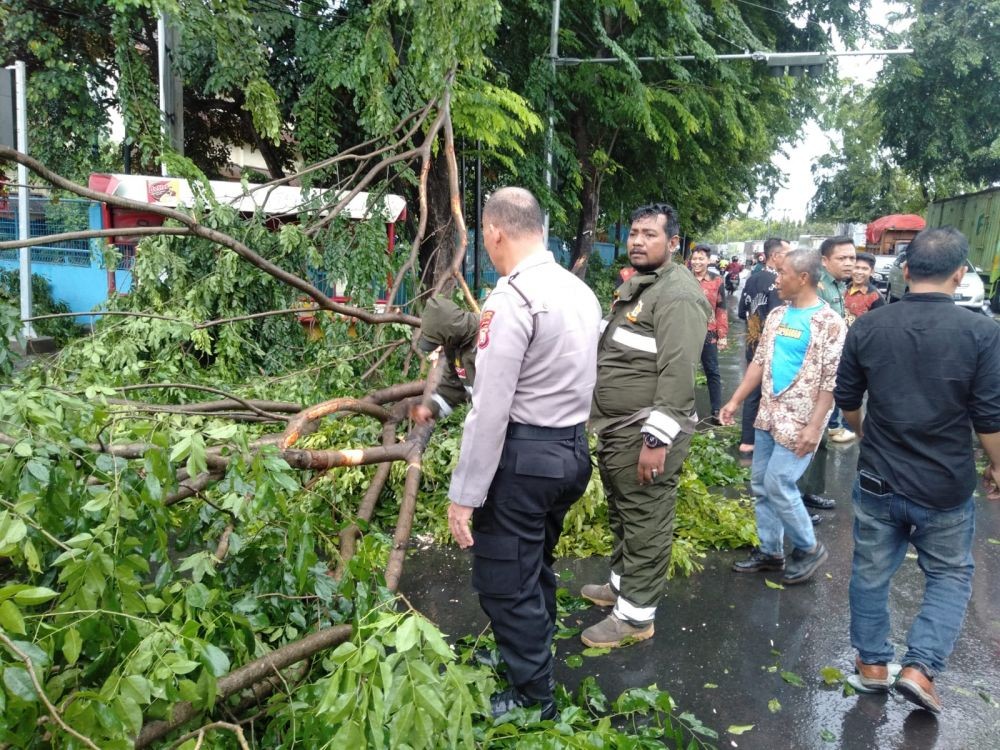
(488, 275)
(76, 273)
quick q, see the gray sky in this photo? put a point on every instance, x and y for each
(791, 201)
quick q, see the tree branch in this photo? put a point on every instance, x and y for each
(86, 234)
(247, 676)
(53, 712)
(219, 238)
(200, 734)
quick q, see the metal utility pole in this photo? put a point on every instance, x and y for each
(478, 237)
(23, 196)
(550, 136)
(171, 87)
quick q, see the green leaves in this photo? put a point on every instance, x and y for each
(27, 595)
(792, 679)
(832, 675)
(72, 645)
(18, 683)
(11, 619)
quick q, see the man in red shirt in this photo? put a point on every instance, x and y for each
(718, 326)
(861, 295)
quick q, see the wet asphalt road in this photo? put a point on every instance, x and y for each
(722, 640)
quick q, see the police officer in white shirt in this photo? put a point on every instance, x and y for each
(524, 459)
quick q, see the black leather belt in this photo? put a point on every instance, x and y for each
(532, 432)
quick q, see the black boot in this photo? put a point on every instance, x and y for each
(507, 700)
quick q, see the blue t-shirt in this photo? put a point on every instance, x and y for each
(790, 345)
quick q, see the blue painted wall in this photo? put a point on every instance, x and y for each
(76, 273)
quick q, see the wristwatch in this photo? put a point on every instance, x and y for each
(652, 441)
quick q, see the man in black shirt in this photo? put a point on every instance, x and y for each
(759, 297)
(931, 370)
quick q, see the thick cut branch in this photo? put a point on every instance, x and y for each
(331, 459)
(299, 423)
(349, 535)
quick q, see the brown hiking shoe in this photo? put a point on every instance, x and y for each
(612, 632)
(874, 677)
(603, 595)
(918, 688)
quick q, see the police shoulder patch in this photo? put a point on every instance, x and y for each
(484, 328)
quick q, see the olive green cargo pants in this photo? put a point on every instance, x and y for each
(642, 523)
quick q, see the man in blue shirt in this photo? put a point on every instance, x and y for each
(795, 366)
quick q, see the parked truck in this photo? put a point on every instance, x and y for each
(887, 236)
(977, 216)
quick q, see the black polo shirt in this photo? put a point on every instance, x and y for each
(932, 373)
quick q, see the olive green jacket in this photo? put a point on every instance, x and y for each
(649, 351)
(447, 325)
(831, 291)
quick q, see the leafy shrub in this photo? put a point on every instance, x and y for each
(61, 330)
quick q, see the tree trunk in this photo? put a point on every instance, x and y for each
(438, 246)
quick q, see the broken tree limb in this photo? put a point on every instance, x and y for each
(404, 523)
(192, 487)
(88, 234)
(332, 459)
(247, 676)
(349, 535)
(219, 238)
(300, 422)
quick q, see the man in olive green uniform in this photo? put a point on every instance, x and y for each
(644, 415)
(838, 262)
(447, 325)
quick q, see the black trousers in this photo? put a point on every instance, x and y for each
(751, 405)
(710, 364)
(515, 532)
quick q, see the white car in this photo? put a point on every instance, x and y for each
(970, 293)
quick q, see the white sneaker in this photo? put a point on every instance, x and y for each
(832, 432)
(844, 436)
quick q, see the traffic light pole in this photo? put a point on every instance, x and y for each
(23, 198)
(551, 134)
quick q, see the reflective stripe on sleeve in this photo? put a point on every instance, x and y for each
(604, 324)
(625, 610)
(442, 405)
(634, 340)
(616, 581)
(661, 426)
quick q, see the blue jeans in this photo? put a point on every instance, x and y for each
(836, 420)
(778, 503)
(884, 526)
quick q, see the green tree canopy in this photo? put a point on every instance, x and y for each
(699, 134)
(941, 107)
(858, 179)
